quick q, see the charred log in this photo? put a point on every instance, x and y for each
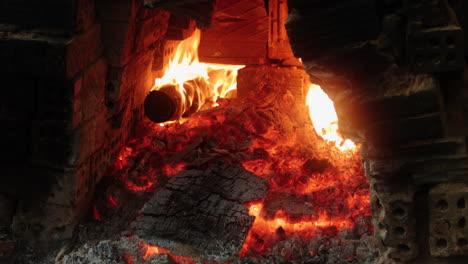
(161, 105)
(169, 103)
(201, 212)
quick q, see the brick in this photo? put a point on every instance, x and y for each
(405, 130)
(83, 50)
(410, 95)
(89, 93)
(201, 10)
(440, 169)
(438, 49)
(151, 30)
(223, 42)
(163, 53)
(316, 27)
(179, 27)
(85, 14)
(430, 13)
(394, 27)
(278, 41)
(448, 213)
(128, 86)
(118, 39)
(418, 170)
(117, 10)
(418, 149)
(88, 138)
(251, 77)
(461, 10)
(77, 182)
(394, 222)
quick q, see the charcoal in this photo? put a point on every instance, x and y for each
(103, 252)
(316, 165)
(295, 208)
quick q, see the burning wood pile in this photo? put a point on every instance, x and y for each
(246, 181)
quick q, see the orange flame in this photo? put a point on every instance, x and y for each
(151, 250)
(338, 193)
(323, 115)
(185, 66)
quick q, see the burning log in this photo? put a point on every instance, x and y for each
(171, 102)
(161, 105)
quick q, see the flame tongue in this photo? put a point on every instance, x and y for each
(323, 115)
(189, 84)
(329, 180)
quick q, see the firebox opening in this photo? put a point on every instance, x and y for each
(151, 131)
(231, 168)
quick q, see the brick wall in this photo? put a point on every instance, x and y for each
(394, 70)
(77, 73)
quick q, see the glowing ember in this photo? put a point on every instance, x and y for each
(128, 259)
(96, 214)
(324, 118)
(198, 83)
(324, 175)
(151, 250)
(111, 202)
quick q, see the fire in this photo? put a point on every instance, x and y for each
(111, 202)
(323, 115)
(327, 178)
(151, 250)
(197, 83)
(96, 214)
(338, 192)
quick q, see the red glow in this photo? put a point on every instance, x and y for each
(121, 160)
(326, 178)
(96, 214)
(147, 186)
(111, 202)
(128, 259)
(151, 250)
(339, 193)
(171, 170)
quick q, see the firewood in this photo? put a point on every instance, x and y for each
(201, 212)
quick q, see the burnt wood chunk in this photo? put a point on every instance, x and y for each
(296, 209)
(200, 212)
